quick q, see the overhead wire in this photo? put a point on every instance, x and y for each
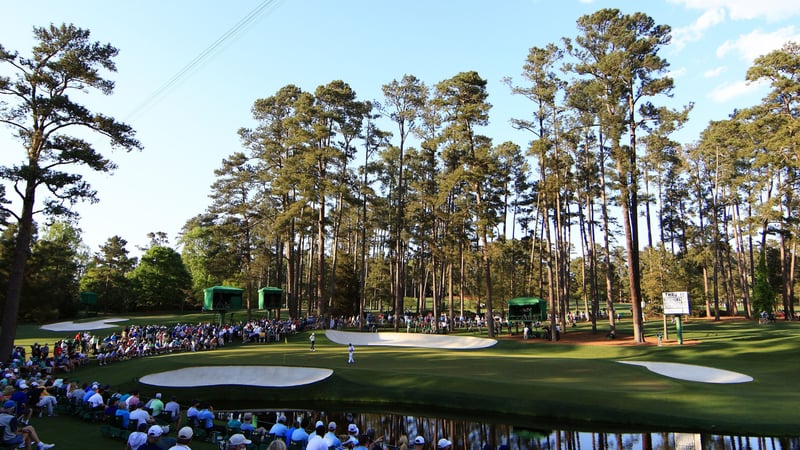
(202, 58)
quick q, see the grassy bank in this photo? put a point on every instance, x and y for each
(518, 382)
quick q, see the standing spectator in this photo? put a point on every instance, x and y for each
(312, 338)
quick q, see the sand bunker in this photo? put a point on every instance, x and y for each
(83, 326)
(262, 376)
(690, 372)
(409, 340)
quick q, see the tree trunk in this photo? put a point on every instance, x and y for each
(17, 274)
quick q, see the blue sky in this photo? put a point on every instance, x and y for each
(187, 75)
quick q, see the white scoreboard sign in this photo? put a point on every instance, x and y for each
(676, 302)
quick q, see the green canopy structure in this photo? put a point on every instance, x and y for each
(527, 309)
(270, 298)
(222, 298)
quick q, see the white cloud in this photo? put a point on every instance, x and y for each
(748, 9)
(729, 91)
(756, 43)
(715, 72)
(677, 72)
(694, 32)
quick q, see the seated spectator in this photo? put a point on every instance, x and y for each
(13, 434)
(153, 436)
(123, 415)
(185, 436)
(173, 410)
(137, 439)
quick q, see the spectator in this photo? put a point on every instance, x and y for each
(137, 439)
(153, 436)
(173, 409)
(279, 429)
(238, 442)
(155, 405)
(13, 434)
(185, 435)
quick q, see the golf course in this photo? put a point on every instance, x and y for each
(585, 381)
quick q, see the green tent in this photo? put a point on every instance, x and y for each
(270, 298)
(527, 309)
(222, 298)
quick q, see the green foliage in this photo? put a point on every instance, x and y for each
(107, 276)
(50, 289)
(161, 281)
(763, 294)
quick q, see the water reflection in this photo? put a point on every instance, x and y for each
(473, 435)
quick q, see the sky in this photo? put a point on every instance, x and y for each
(188, 73)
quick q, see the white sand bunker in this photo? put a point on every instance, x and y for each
(83, 326)
(690, 372)
(409, 340)
(262, 376)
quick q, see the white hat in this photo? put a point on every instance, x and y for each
(419, 440)
(443, 443)
(319, 424)
(352, 428)
(185, 433)
(155, 430)
(22, 385)
(332, 425)
(158, 395)
(239, 439)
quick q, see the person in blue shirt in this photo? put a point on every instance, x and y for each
(206, 417)
(123, 415)
(279, 429)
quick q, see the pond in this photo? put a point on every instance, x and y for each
(476, 435)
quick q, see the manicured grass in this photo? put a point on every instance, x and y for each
(519, 383)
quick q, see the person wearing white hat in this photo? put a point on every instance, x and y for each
(185, 436)
(238, 442)
(153, 436)
(444, 444)
(419, 442)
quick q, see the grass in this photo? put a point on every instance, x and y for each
(559, 385)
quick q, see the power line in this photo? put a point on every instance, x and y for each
(201, 59)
